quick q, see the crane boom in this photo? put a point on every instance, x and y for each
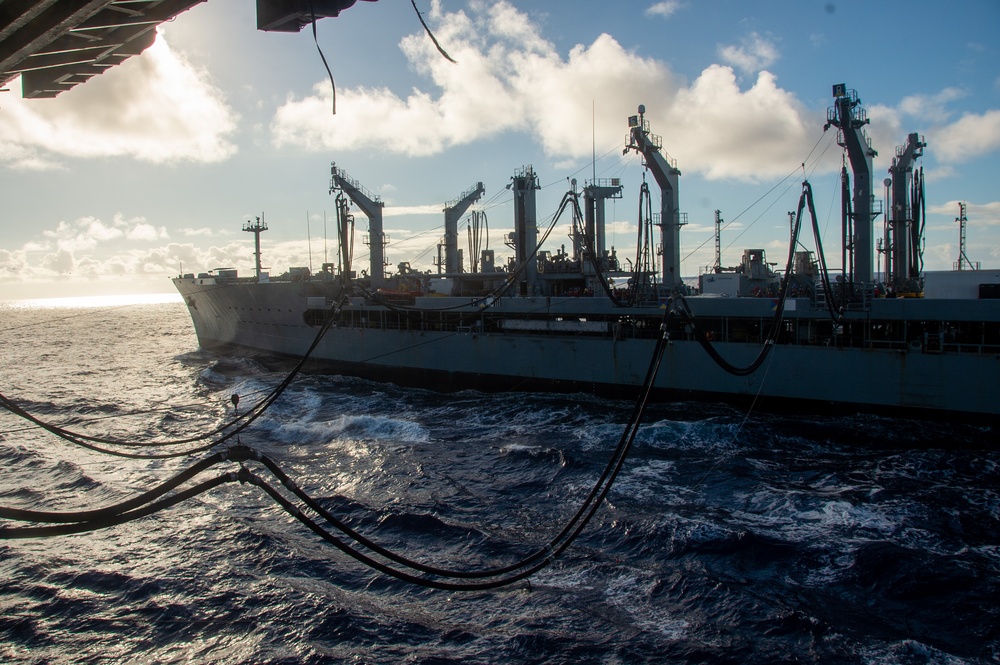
(371, 206)
(666, 174)
(850, 117)
(453, 212)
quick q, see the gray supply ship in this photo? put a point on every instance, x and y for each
(890, 339)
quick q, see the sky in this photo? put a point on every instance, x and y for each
(151, 168)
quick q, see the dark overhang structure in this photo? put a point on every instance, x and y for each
(57, 44)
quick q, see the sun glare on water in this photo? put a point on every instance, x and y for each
(99, 301)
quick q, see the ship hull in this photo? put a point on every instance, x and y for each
(577, 354)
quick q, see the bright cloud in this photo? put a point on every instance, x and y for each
(724, 132)
(932, 108)
(60, 263)
(12, 263)
(970, 136)
(665, 8)
(751, 55)
(86, 233)
(125, 254)
(165, 260)
(155, 107)
(401, 211)
(515, 82)
(203, 231)
(981, 214)
(510, 78)
(144, 231)
(131, 248)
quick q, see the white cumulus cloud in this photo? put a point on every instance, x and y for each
(664, 8)
(950, 140)
(155, 107)
(724, 132)
(970, 136)
(751, 55)
(511, 79)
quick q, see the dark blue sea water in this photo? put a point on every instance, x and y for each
(728, 538)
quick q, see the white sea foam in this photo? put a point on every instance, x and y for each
(630, 592)
(800, 517)
(383, 428)
(230, 371)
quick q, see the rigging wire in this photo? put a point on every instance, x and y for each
(821, 255)
(643, 259)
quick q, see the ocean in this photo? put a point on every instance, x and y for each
(728, 537)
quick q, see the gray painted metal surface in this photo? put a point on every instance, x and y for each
(926, 375)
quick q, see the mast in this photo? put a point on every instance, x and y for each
(666, 174)
(717, 268)
(371, 205)
(453, 212)
(850, 117)
(256, 229)
(963, 259)
(309, 242)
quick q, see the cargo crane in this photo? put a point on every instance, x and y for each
(666, 174)
(850, 117)
(371, 205)
(453, 212)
